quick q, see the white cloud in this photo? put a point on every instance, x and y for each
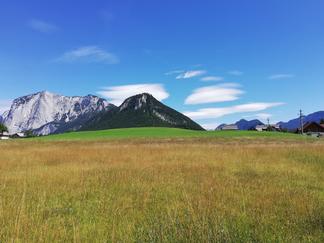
(42, 26)
(263, 116)
(235, 73)
(213, 94)
(4, 106)
(210, 126)
(260, 116)
(191, 74)
(211, 113)
(89, 54)
(281, 76)
(212, 78)
(117, 94)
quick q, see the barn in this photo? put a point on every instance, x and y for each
(313, 127)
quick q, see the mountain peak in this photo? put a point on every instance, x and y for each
(142, 110)
(247, 125)
(138, 101)
(36, 110)
(242, 120)
(46, 113)
(45, 92)
(143, 97)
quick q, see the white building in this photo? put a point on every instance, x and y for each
(231, 127)
(261, 128)
(4, 135)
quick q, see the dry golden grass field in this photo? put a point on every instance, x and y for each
(162, 190)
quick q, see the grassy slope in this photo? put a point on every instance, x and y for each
(166, 133)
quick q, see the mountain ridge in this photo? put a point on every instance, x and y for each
(294, 124)
(248, 125)
(47, 113)
(243, 124)
(141, 110)
(33, 111)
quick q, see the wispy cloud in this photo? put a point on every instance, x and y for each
(281, 76)
(89, 54)
(106, 15)
(213, 94)
(212, 113)
(191, 74)
(148, 52)
(117, 94)
(235, 73)
(212, 78)
(4, 106)
(42, 26)
(174, 72)
(261, 116)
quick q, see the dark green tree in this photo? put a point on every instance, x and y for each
(29, 133)
(3, 128)
(322, 121)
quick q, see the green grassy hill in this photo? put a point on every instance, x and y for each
(155, 132)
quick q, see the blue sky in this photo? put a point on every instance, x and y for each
(217, 61)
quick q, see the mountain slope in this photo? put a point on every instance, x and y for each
(295, 123)
(248, 125)
(45, 112)
(220, 127)
(243, 124)
(141, 110)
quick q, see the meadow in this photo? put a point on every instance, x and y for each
(157, 187)
(161, 132)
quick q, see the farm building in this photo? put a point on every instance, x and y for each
(261, 128)
(231, 127)
(18, 135)
(313, 127)
(273, 128)
(4, 135)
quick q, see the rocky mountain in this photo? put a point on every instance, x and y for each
(46, 112)
(295, 123)
(243, 124)
(141, 110)
(248, 125)
(220, 127)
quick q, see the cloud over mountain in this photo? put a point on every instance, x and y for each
(117, 94)
(213, 94)
(191, 74)
(210, 113)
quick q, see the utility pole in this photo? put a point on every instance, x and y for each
(269, 127)
(301, 117)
